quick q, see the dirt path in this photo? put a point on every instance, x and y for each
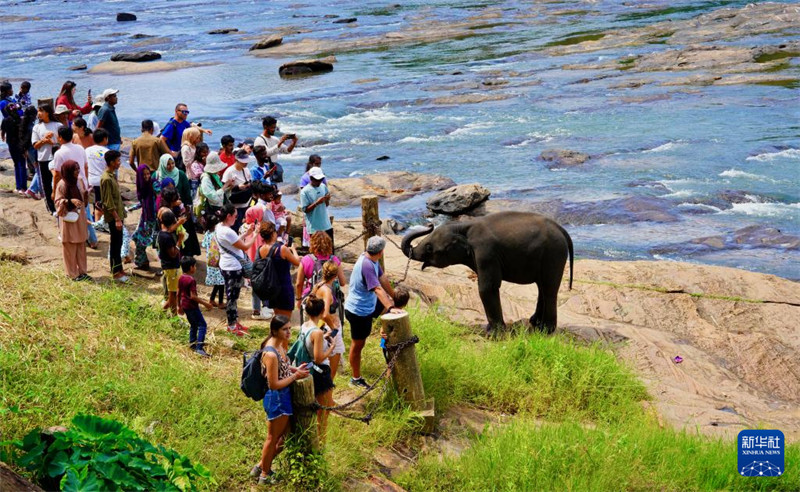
(741, 359)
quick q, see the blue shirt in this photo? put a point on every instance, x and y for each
(173, 131)
(108, 116)
(317, 219)
(257, 173)
(361, 296)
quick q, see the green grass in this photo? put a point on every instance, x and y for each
(68, 348)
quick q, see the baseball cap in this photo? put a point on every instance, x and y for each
(375, 245)
(316, 173)
(108, 92)
(242, 156)
(61, 109)
(99, 101)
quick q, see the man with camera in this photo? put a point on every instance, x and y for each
(274, 146)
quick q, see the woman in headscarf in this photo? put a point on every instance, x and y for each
(252, 220)
(143, 237)
(191, 137)
(167, 169)
(70, 202)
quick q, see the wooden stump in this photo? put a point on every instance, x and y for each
(10, 481)
(304, 420)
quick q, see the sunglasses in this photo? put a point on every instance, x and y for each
(185, 111)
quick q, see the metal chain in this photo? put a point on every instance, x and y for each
(338, 248)
(408, 261)
(395, 349)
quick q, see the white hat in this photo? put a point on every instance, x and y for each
(61, 109)
(99, 101)
(108, 92)
(214, 164)
(316, 173)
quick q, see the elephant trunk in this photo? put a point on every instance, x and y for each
(405, 245)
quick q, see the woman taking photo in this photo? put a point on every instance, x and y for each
(326, 291)
(67, 98)
(148, 223)
(232, 249)
(283, 258)
(70, 201)
(278, 400)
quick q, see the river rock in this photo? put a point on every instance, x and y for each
(314, 142)
(125, 17)
(140, 56)
(142, 36)
(307, 67)
(226, 30)
(563, 158)
(383, 158)
(77, 67)
(130, 68)
(755, 236)
(458, 199)
(393, 186)
(348, 20)
(267, 42)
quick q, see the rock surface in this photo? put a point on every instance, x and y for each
(348, 20)
(268, 42)
(307, 67)
(392, 186)
(125, 17)
(129, 68)
(755, 236)
(77, 67)
(458, 199)
(226, 30)
(140, 56)
(563, 158)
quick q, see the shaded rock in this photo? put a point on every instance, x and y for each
(652, 185)
(755, 236)
(267, 42)
(725, 199)
(458, 200)
(468, 98)
(129, 68)
(307, 67)
(141, 56)
(392, 186)
(227, 30)
(366, 81)
(313, 143)
(125, 17)
(151, 41)
(347, 20)
(61, 50)
(77, 67)
(383, 158)
(142, 36)
(563, 158)
(290, 189)
(393, 226)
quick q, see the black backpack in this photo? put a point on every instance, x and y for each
(265, 281)
(179, 158)
(254, 382)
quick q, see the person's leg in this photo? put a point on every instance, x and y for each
(47, 185)
(233, 285)
(330, 233)
(36, 184)
(334, 360)
(115, 250)
(355, 357)
(275, 430)
(256, 304)
(192, 319)
(201, 333)
(114, 146)
(360, 327)
(90, 228)
(325, 399)
(239, 218)
(80, 259)
(20, 167)
(70, 265)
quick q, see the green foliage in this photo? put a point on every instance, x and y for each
(302, 469)
(102, 454)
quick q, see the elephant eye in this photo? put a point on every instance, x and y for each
(429, 248)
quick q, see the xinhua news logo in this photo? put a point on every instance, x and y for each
(761, 453)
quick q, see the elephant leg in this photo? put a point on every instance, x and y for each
(548, 313)
(489, 290)
(536, 319)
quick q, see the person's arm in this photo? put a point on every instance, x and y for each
(101, 120)
(60, 200)
(318, 342)
(298, 287)
(289, 255)
(311, 206)
(327, 317)
(247, 240)
(164, 149)
(200, 127)
(131, 159)
(37, 140)
(386, 285)
(291, 146)
(270, 359)
(56, 180)
(340, 275)
(194, 297)
(385, 299)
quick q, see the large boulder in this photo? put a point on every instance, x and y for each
(307, 67)
(393, 186)
(267, 42)
(139, 56)
(563, 158)
(125, 17)
(458, 199)
(225, 30)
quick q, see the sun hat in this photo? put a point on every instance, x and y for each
(316, 173)
(61, 109)
(214, 164)
(108, 92)
(375, 245)
(98, 101)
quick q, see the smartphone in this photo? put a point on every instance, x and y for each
(334, 333)
(291, 135)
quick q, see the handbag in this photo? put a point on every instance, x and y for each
(239, 196)
(71, 217)
(277, 174)
(244, 261)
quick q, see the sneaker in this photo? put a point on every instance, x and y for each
(256, 471)
(268, 479)
(241, 327)
(123, 279)
(202, 353)
(358, 383)
(31, 194)
(235, 331)
(83, 277)
(265, 314)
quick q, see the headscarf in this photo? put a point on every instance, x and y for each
(73, 191)
(253, 217)
(145, 193)
(162, 169)
(167, 182)
(191, 136)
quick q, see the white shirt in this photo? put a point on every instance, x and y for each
(268, 215)
(225, 239)
(239, 178)
(92, 121)
(96, 162)
(273, 147)
(71, 152)
(306, 330)
(45, 152)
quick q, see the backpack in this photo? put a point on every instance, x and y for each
(254, 382)
(213, 252)
(316, 279)
(298, 352)
(264, 280)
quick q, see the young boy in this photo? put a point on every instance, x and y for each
(400, 297)
(114, 212)
(190, 305)
(170, 257)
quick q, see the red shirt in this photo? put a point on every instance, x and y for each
(86, 109)
(228, 159)
(187, 287)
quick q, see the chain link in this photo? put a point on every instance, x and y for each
(408, 260)
(348, 243)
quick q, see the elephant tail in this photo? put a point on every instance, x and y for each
(571, 254)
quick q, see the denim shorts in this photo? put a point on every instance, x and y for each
(278, 403)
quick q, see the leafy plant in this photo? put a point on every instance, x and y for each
(304, 469)
(102, 454)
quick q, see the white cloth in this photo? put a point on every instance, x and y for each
(239, 178)
(45, 152)
(96, 162)
(268, 215)
(225, 239)
(91, 120)
(307, 327)
(71, 152)
(272, 145)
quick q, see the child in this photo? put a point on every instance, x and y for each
(197, 167)
(170, 201)
(170, 257)
(190, 305)
(282, 219)
(214, 277)
(400, 298)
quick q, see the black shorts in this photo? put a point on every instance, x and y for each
(322, 380)
(285, 298)
(98, 203)
(361, 326)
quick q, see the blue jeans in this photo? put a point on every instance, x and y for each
(90, 227)
(20, 167)
(114, 146)
(197, 327)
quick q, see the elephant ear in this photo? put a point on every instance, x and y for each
(459, 244)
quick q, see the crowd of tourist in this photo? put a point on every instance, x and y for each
(231, 196)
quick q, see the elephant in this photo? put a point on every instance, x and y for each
(518, 247)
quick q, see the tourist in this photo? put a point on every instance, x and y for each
(226, 150)
(231, 248)
(170, 257)
(29, 119)
(282, 218)
(82, 133)
(191, 138)
(194, 171)
(320, 251)
(261, 171)
(167, 169)
(6, 97)
(189, 303)
(67, 98)
(213, 190)
(264, 193)
(369, 296)
(214, 277)
(274, 145)
(96, 163)
(252, 220)
(10, 132)
(278, 400)
(283, 257)
(43, 137)
(172, 133)
(24, 96)
(241, 194)
(328, 290)
(71, 199)
(107, 119)
(147, 149)
(314, 201)
(148, 223)
(92, 119)
(320, 346)
(114, 212)
(314, 160)
(69, 151)
(62, 114)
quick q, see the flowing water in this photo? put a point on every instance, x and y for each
(677, 152)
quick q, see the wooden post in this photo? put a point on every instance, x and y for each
(304, 419)
(406, 374)
(370, 220)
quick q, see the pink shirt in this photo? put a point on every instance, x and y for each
(195, 170)
(279, 210)
(307, 263)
